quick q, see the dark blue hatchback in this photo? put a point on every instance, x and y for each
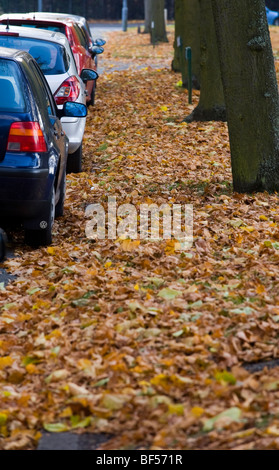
(33, 147)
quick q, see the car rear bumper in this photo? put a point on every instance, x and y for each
(24, 194)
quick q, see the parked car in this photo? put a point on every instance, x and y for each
(80, 20)
(55, 58)
(272, 17)
(83, 50)
(82, 24)
(34, 147)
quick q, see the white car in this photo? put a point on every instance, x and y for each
(53, 53)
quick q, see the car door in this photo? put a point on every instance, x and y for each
(87, 58)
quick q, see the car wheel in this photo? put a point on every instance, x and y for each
(59, 209)
(276, 22)
(92, 98)
(74, 161)
(3, 241)
(43, 237)
(93, 93)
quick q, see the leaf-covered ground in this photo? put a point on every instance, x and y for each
(135, 339)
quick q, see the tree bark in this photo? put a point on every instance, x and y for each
(211, 105)
(187, 26)
(147, 16)
(251, 93)
(159, 33)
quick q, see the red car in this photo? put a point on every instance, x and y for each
(81, 43)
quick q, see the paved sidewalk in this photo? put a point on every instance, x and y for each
(102, 30)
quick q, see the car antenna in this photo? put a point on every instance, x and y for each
(34, 17)
(8, 24)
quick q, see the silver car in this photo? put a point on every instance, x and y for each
(53, 53)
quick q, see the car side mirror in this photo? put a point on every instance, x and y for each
(71, 109)
(96, 50)
(99, 42)
(88, 74)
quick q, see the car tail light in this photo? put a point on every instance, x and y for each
(68, 91)
(26, 137)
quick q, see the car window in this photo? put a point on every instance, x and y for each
(50, 104)
(88, 29)
(86, 35)
(12, 95)
(52, 58)
(38, 86)
(81, 36)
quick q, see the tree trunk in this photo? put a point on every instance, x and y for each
(158, 33)
(187, 26)
(251, 93)
(211, 105)
(147, 16)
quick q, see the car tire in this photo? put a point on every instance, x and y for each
(276, 22)
(3, 241)
(93, 93)
(92, 98)
(59, 209)
(74, 161)
(43, 237)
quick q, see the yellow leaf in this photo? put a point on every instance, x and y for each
(263, 217)
(160, 379)
(84, 364)
(273, 431)
(3, 418)
(136, 287)
(197, 411)
(170, 247)
(164, 108)
(176, 409)
(66, 413)
(31, 369)
(249, 228)
(51, 250)
(108, 264)
(260, 289)
(5, 361)
(130, 245)
(114, 401)
(144, 383)
(54, 334)
(239, 238)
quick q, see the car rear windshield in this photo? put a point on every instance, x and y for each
(12, 96)
(51, 57)
(58, 28)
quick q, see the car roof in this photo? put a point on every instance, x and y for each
(42, 34)
(32, 17)
(78, 19)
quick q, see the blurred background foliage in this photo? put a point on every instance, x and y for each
(91, 9)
